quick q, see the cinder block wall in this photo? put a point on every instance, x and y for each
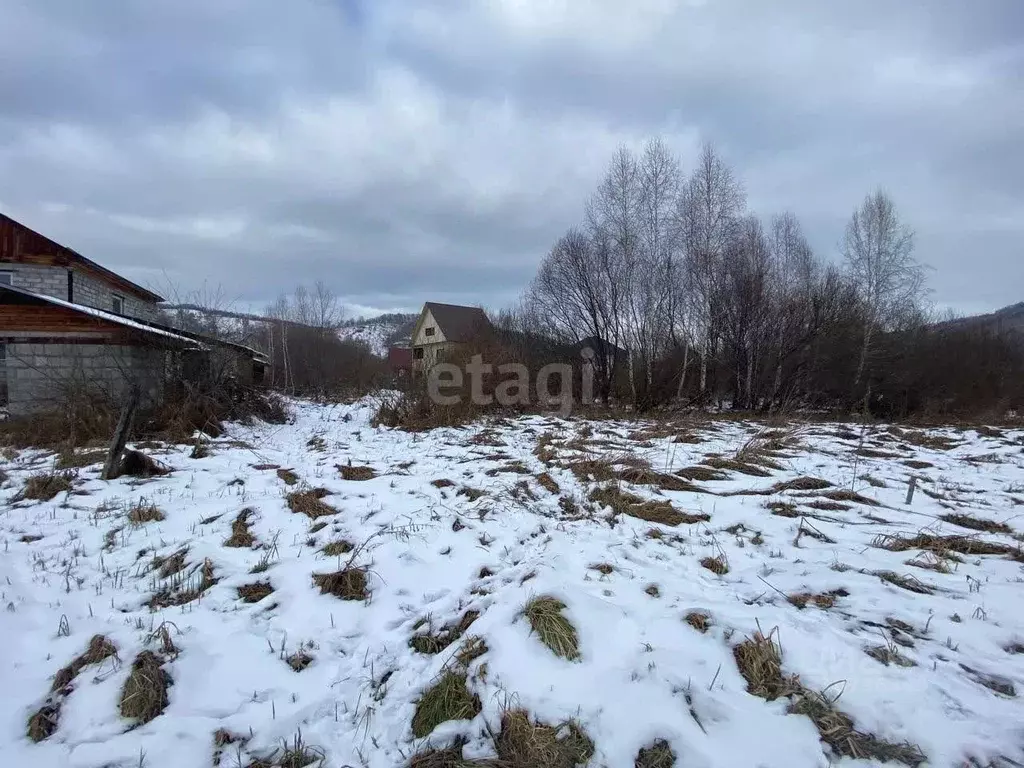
(40, 376)
(87, 290)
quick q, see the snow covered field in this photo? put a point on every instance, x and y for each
(701, 567)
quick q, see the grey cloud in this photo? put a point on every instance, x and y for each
(434, 150)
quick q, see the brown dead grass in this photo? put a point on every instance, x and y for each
(943, 546)
(71, 459)
(548, 483)
(308, 503)
(442, 482)
(657, 755)
(699, 621)
(44, 721)
(702, 474)
(299, 660)
(644, 476)
(917, 464)
(625, 503)
(977, 523)
(184, 590)
(253, 593)
(718, 565)
(337, 547)
(170, 565)
(801, 484)
(348, 472)
(44, 486)
(909, 583)
(759, 660)
(735, 465)
(348, 584)
(552, 627)
(600, 470)
(824, 600)
(287, 476)
(142, 512)
(524, 743)
(99, 649)
(435, 642)
(241, 536)
(144, 695)
(448, 699)
(783, 509)
(852, 497)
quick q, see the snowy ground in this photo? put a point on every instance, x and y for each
(457, 521)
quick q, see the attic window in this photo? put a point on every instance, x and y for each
(118, 304)
(418, 353)
(429, 331)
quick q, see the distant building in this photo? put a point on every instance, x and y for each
(443, 328)
(400, 360)
(70, 326)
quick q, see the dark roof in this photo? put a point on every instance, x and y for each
(16, 240)
(458, 323)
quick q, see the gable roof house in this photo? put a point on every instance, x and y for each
(69, 325)
(443, 328)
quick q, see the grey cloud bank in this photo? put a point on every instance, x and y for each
(404, 151)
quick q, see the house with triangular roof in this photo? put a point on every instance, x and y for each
(443, 328)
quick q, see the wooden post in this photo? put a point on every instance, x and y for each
(910, 488)
(112, 467)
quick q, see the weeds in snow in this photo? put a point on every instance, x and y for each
(553, 629)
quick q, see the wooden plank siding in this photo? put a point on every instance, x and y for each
(50, 319)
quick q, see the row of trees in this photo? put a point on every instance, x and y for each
(714, 303)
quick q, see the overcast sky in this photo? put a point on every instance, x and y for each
(411, 150)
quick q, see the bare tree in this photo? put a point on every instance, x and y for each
(879, 252)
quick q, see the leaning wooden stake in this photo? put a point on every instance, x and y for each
(910, 488)
(112, 467)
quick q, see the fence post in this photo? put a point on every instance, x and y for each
(910, 489)
(112, 466)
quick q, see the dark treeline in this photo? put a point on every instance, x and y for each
(719, 306)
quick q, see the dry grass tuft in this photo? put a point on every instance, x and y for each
(473, 648)
(548, 483)
(850, 496)
(348, 584)
(308, 503)
(923, 439)
(699, 621)
(645, 476)
(625, 503)
(253, 593)
(43, 722)
(442, 483)
(448, 699)
(470, 493)
(889, 654)
(526, 744)
(183, 590)
(287, 476)
(977, 523)
(943, 546)
(99, 650)
(783, 509)
(702, 474)
(653, 590)
(435, 642)
(603, 568)
(138, 464)
(142, 512)
(839, 732)
(600, 470)
(908, 583)
(348, 472)
(44, 486)
(759, 659)
(917, 464)
(170, 565)
(299, 660)
(825, 600)
(240, 533)
(337, 547)
(735, 465)
(717, 564)
(144, 695)
(657, 755)
(802, 484)
(70, 459)
(553, 629)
